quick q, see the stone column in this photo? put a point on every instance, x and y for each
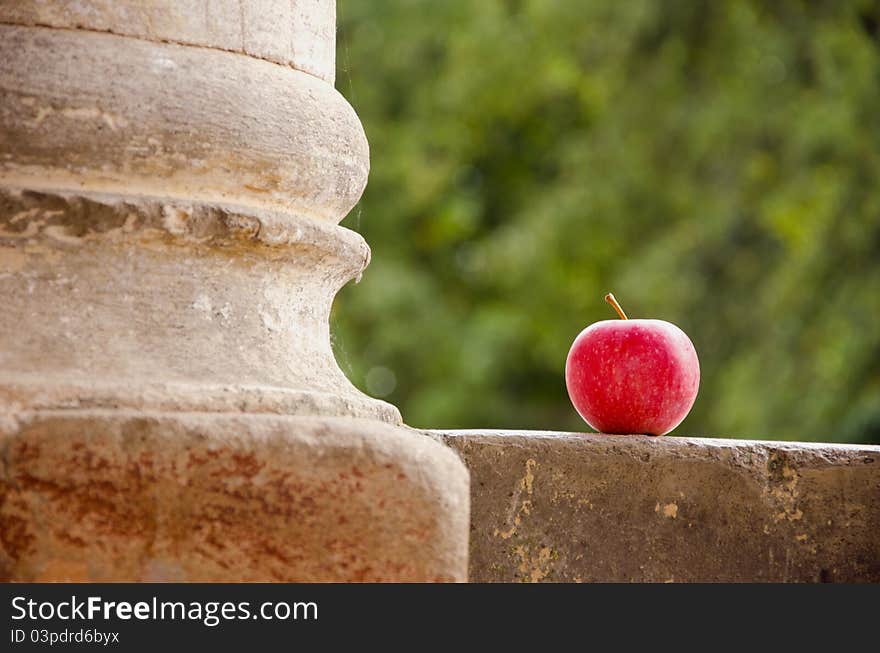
(171, 178)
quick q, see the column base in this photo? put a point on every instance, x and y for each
(129, 496)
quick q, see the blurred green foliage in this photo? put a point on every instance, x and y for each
(715, 164)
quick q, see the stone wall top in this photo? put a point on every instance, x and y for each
(576, 507)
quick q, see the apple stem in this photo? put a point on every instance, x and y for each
(611, 300)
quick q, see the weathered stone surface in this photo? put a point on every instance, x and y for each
(166, 305)
(114, 495)
(300, 33)
(570, 507)
(170, 407)
(97, 112)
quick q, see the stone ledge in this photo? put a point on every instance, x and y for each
(570, 507)
(72, 219)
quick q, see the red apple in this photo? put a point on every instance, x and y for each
(632, 376)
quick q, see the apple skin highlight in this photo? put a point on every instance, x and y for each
(632, 376)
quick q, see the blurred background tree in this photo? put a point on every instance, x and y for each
(715, 164)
